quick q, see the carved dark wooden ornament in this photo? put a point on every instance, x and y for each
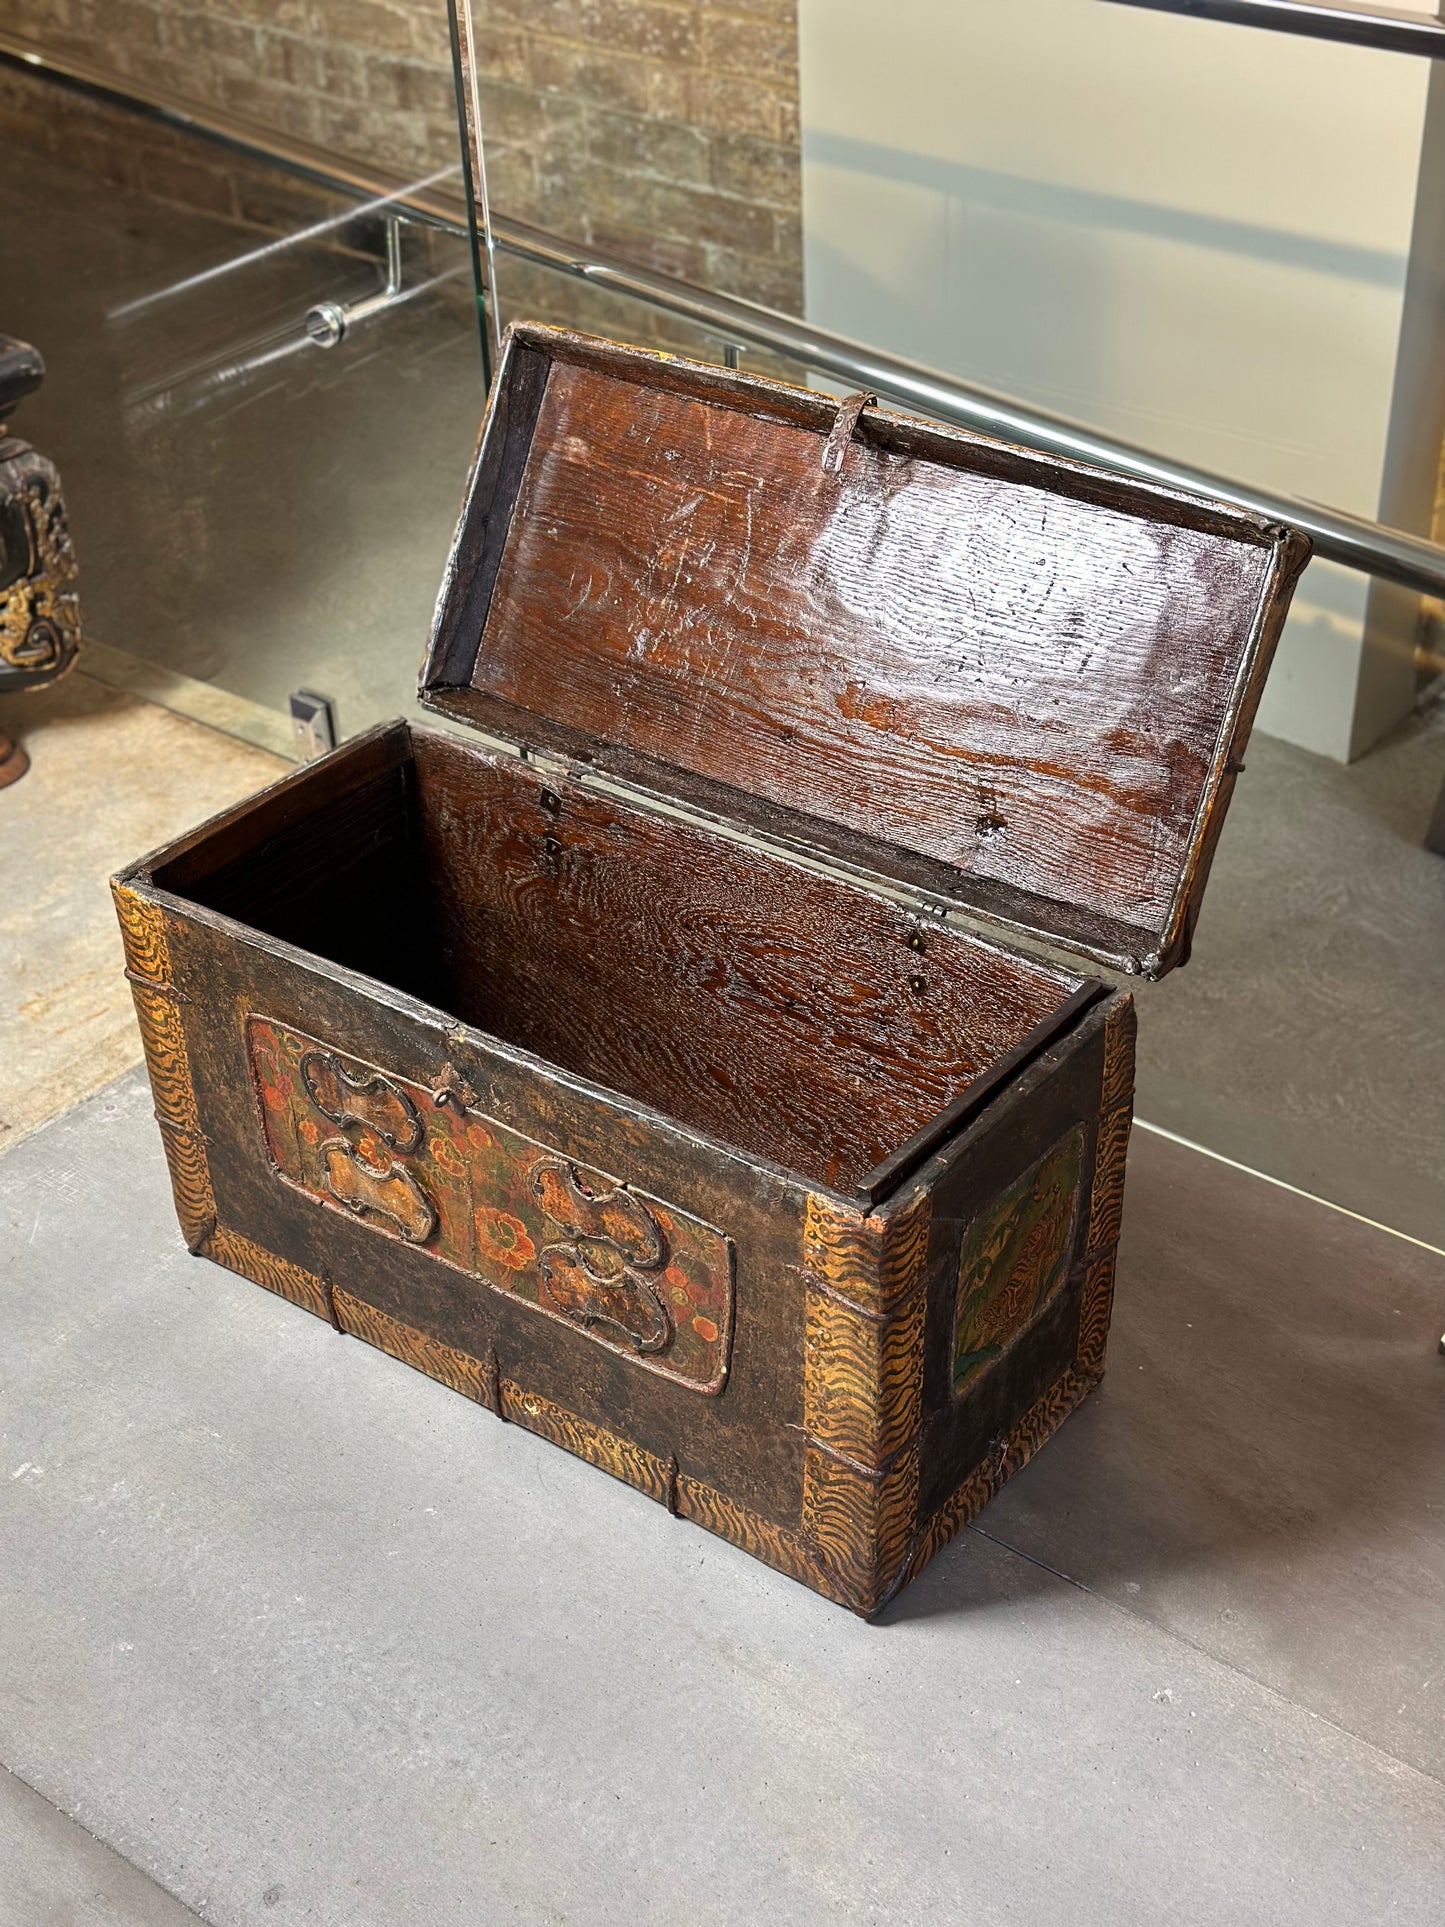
(524, 1032)
(372, 1101)
(388, 1192)
(621, 1299)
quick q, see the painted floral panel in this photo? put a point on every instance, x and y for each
(1015, 1260)
(632, 1272)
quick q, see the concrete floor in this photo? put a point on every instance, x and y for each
(55, 1874)
(1306, 1036)
(303, 1637)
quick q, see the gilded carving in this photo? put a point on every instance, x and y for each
(623, 1300)
(373, 1101)
(39, 611)
(385, 1190)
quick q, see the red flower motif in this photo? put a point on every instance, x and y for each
(503, 1238)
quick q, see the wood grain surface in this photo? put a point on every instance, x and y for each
(796, 1017)
(978, 658)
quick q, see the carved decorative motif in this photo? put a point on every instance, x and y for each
(630, 1272)
(374, 1101)
(616, 1219)
(623, 1300)
(39, 609)
(1015, 1260)
(386, 1191)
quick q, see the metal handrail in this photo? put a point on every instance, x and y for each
(1351, 540)
(1383, 29)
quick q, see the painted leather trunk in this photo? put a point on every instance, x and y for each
(716, 1078)
(831, 1386)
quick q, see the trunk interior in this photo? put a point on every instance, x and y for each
(789, 1014)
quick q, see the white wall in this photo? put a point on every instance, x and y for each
(1193, 235)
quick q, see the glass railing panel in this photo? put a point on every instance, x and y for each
(253, 511)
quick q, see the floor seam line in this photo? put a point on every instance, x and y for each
(1043, 1564)
(1283, 1184)
(90, 1834)
(1240, 1672)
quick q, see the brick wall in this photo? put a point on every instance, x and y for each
(666, 129)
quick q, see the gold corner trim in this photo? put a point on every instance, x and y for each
(875, 1261)
(1121, 1025)
(906, 1236)
(842, 1247)
(143, 932)
(1095, 1311)
(862, 1523)
(1106, 1195)
(163, 1037)
(865, 1316)
(862, 1377)
(445, 1363)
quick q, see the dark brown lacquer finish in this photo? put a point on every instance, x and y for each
(781, 1011)
(642, 1086)
(1021, 680)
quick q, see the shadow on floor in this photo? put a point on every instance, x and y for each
(1259, 1470)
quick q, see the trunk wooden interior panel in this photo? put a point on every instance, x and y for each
(785, 1013)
